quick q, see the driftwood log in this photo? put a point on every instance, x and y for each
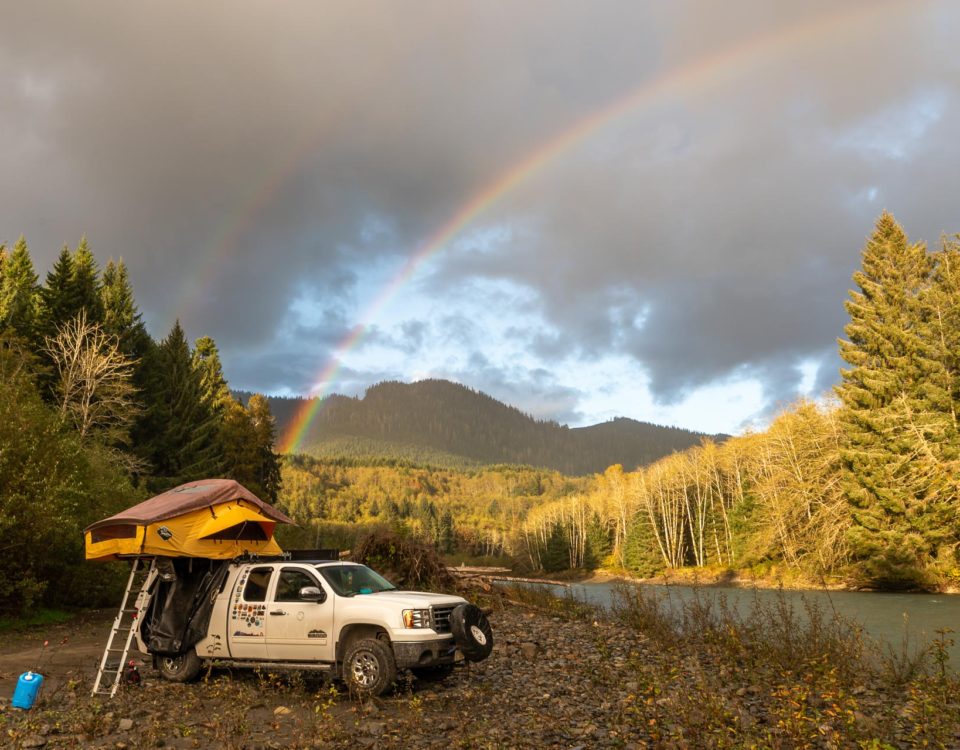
(488, 575)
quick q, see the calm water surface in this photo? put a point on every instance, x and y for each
(885, 617)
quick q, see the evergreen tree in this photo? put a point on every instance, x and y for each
(206, 361)
(445, 532)
(640, 554)
(85, 283)
(941, 304)
(886, 411)
(19, 292)
(239, 440)
(180, 435)
(72, 285)
(598, 543)
(120, 315)
(556, 553)
(57, 302)
(268, 461)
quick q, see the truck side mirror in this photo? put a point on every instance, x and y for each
(312, 594)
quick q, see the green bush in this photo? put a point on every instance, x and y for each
(51, 486)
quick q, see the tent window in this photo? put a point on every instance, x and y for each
(120, 531)
(256, 588)
(247, 530)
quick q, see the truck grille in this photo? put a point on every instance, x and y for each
(441, 619)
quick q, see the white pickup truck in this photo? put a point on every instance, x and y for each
(339, 617)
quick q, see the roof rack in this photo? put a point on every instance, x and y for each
(292, 555)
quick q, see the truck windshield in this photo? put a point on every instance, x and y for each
(349, 580)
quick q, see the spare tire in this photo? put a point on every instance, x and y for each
(471, 631)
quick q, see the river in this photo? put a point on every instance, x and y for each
(885, 617)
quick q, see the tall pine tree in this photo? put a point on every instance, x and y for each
(19, 293)
(268, 461)
(206, 362)
(72, 285)
(85, 283)
(58, 302)
(120, 315)
(887, 415)
(179, 436)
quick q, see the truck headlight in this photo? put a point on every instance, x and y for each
(416, 618)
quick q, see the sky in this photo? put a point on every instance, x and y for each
(585, 209)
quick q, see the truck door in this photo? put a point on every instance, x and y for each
(299, 630)
(248, 614)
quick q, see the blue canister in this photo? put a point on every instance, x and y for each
(28, 686)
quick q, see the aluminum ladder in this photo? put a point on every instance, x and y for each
(115, 655)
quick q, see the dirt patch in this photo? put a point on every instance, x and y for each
(72, 648)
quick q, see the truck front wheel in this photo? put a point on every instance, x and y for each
(369, 667)
(180, 668)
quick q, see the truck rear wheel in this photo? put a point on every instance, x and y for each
(369, 667)
(181, 668)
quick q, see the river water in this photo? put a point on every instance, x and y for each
(886, 617)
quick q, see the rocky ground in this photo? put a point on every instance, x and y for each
(550, 682)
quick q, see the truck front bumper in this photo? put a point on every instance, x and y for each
(424, 653)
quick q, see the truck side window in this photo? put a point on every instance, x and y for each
(257, 582)
(290, 583)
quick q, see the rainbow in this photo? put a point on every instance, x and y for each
(696, 74)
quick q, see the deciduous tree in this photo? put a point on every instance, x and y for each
(93, 384)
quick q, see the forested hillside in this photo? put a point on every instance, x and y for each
(95, 414)
(452, 419)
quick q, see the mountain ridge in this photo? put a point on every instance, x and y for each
(453, 419)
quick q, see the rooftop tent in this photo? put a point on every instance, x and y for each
(212, 518)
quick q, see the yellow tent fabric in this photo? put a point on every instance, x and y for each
(218, 519)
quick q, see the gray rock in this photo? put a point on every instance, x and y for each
(34, 740)
(125, 725)
(529, 650)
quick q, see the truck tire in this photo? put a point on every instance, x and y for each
(369, 667)
(182, 668)
(472, 632)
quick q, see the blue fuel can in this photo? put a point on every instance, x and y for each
(28, 687)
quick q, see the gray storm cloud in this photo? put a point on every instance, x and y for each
(242, 155)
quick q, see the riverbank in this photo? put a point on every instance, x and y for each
(727, 577)
(557, 678)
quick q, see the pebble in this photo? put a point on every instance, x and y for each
(125, 725)
(529, 650)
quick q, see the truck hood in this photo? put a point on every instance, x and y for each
(409, 599)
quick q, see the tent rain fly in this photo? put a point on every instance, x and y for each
(212, 518)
